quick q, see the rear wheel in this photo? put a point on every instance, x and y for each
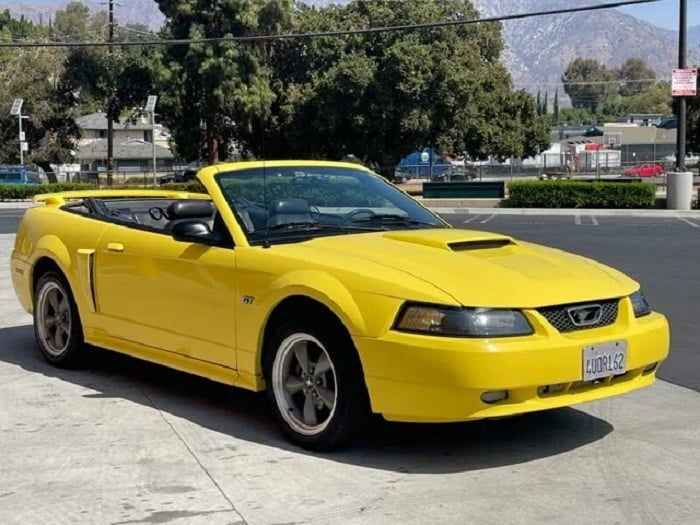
(315, 385)
(57, 327)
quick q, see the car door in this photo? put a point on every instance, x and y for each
(169, 295)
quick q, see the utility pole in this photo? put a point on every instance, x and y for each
(110, 102)
(682, 101)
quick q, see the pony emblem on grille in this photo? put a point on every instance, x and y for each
(587, 315)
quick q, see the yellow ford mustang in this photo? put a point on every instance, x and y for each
(335, 292)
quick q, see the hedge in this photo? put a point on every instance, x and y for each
(23, 192)
(577, 194)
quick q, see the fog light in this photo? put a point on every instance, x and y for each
(650, 368)
(494, 396)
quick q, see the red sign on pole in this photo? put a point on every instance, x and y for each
(685, 82)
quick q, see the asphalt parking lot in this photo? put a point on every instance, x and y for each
(122, 441)
(663, 254)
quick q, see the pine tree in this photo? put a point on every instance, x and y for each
(556, 107)
(539, 102)
(545, 105)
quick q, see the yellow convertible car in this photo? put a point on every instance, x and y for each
(334, 291)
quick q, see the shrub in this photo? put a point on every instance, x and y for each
(579, 194)
(193, 186)
(18, 192)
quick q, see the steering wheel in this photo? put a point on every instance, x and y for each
(356, 213)
(157, 214)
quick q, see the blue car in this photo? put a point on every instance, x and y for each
(19, 175)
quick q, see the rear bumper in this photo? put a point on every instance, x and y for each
(21, 273)
(416, 378)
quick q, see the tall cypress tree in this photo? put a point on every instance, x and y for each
(545, 105)
(539, 102)
(556, 107)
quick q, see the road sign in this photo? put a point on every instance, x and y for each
(151, 104)
(25, 146)
(685, 82)
(22, 136)
(17, 107)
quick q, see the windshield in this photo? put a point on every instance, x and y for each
(280, 204)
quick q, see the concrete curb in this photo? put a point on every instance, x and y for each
(671, 214)
(15, 205)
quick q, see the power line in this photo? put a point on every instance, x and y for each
(349, 32)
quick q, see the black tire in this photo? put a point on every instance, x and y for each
(71, 351)
(352, 408)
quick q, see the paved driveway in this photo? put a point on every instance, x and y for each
(122, 441)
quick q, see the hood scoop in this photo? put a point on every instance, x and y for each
(452, 240)
(486, 244)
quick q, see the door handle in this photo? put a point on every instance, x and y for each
(115, 247)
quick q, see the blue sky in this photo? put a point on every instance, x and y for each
(665, 13)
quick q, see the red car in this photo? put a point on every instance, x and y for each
(645, 170)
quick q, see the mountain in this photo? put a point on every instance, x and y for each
(538, 48)
(128, 11)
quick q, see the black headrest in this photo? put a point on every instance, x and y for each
(290, 206)
(190, 209)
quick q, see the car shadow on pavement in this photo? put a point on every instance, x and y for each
(244, 415)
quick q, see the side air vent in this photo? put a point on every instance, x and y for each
(488, 244)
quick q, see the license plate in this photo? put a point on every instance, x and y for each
(604, 360)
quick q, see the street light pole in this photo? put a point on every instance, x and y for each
(153, 141)
(682, 102)
(151, 109)
(21, 139)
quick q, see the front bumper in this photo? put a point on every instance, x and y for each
(417, 378)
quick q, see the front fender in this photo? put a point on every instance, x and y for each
(323, 288)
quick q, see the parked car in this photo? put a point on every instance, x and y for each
(691, 159)
(335, 292)
(646, 170)
(178, 176)
(21, 175)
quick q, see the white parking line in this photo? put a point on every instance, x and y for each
(577, 220)
(487, 219)
(472, 219)
(688, 222)
(595, 220)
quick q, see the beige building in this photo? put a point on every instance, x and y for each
(133, 146)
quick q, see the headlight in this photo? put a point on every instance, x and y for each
(462, 322)
(639, 304)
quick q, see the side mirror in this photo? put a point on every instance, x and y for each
(196, 231)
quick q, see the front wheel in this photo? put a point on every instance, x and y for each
(57, 327)
(315, 385)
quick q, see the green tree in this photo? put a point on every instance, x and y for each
(73, 23)
(32, 74)
(117, 83)
(539, 103)
(545, 104)
(632, 75)
(589, 83)
(212, 93)
(555, 116)
(383, 95)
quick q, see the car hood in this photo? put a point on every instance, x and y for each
(482, 269)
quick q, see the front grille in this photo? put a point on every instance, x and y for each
(558, 316)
